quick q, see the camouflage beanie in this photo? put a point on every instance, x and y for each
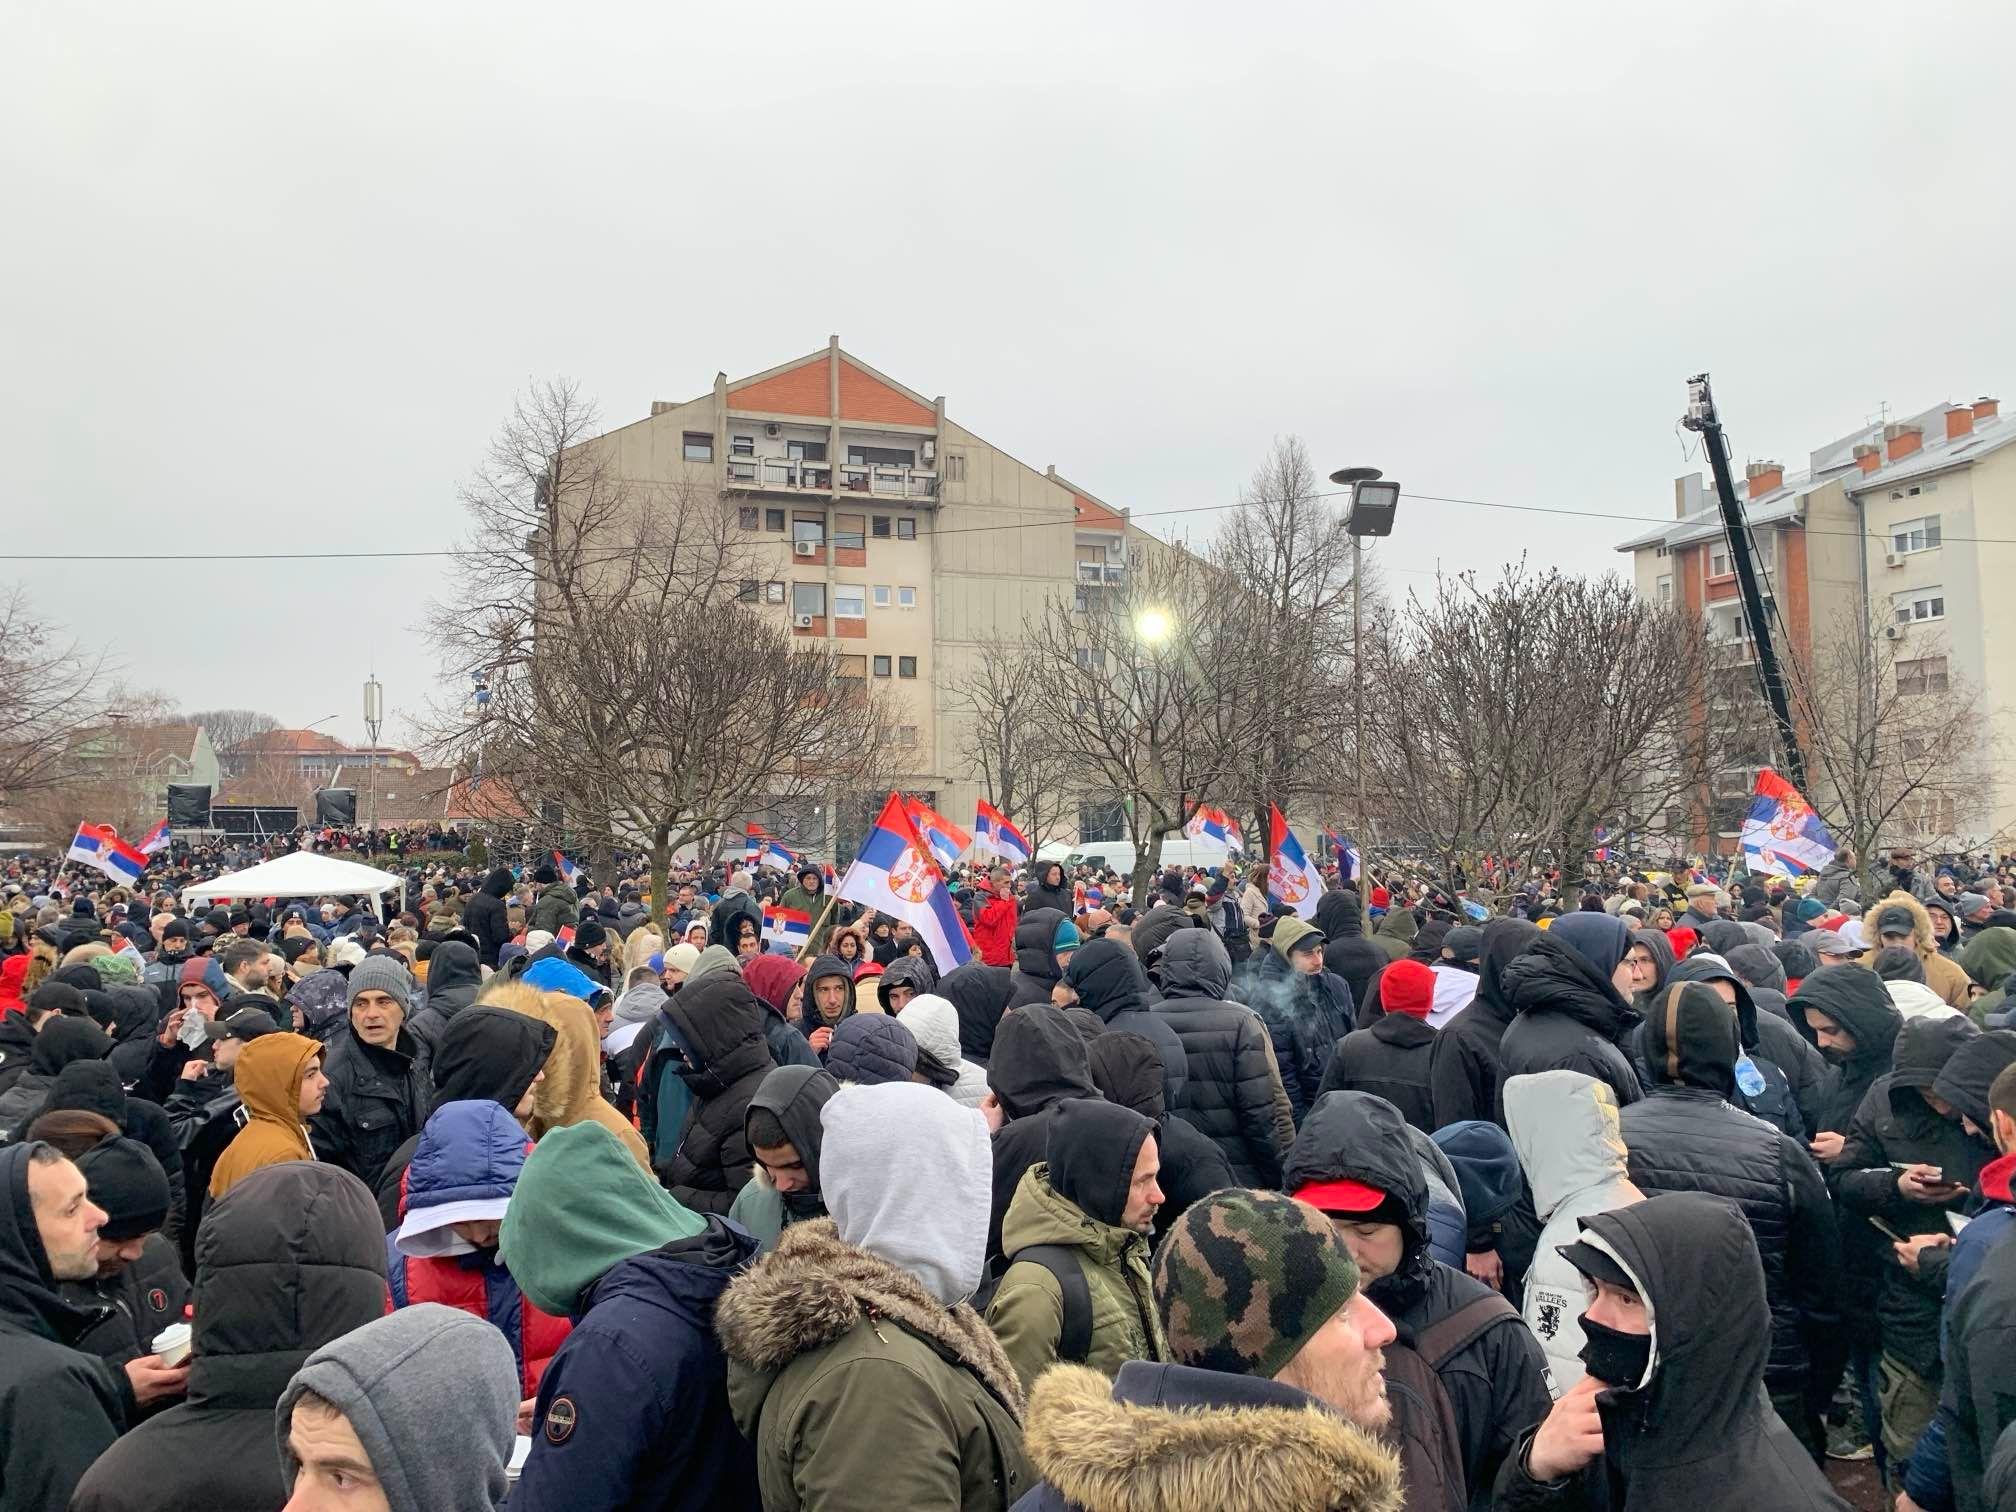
(1246, 1277)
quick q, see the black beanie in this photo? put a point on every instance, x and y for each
(590, 932)
(83, 908)
(544, 875)
(123, 1177)
(175, 929)
(57, 997)
(1092, 1149)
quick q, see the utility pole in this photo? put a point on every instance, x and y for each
(374, 716)
(1701, 416)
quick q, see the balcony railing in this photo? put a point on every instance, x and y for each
(877, 480)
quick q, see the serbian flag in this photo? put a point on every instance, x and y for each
(789, 927)
(568, 870)
(99, 845)
(992, 832)
(894, 874)
(944, 837)
(1782, 834)
(770, 852)
(1292, 878)
(1212, 826)
(156, 839)
(1348, 859)
(752, 843)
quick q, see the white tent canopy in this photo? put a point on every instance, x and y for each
(303, 874)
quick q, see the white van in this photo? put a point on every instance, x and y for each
(1118, 855)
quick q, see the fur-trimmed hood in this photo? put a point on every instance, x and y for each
(1136, 1445)
(815, 1288)
(1921, 922)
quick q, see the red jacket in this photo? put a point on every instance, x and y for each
(476, 1284)
(994, 932)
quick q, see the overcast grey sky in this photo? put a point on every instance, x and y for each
(270, 275)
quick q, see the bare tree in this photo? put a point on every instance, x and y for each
(230, 728)
(1512, 720)
(1144, 694)
(51, 691)
(1895, 740)
(1010, 752)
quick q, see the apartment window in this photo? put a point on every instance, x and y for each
(747, 516)
(906, 598)
(904, 735)
(881, 666)
(906, 666)
(741, 446)
(1664, 589)
(1915, 535)
(748, 592)
(699, 446)
(888, 456)
(906, 529)
(850, 601)
(850, 668)
(1663, 550)
(955, 467)
(773, 592)
(881, 527)
(805, 451)
(1091, 658)
(773, 519)
(1718, 562)
(1927, 674)
(1914, 490)
(808, 530)
(847, 532)
(809, 598)
(1919, 604)
(881, 595)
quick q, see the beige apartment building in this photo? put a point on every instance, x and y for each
(886, 529)
(1915, 518)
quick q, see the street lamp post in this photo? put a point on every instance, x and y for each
(1373, 505)
(374, 716)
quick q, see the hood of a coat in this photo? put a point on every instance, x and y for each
(1553, 976)
(1195, 964)
(490, 1052)
(771, 978)
(1127, 1069)
(288, 1259)
(1039, 1214)
(1399, 924)
(1355, 1136)
(722, 1024)
(640, 1004)
(1108, 978)
(1661, 950)
(1958, 926)
(1290, 932)
(871, 1049)
(1505, 940)
(28, 1295)
(1922, 1049)
(1990, 956)
(814, 1288)
(1921, 922)
(1713, 968)
(573, 1081)
(582, 1205)
(1230, 1443)
(1914, 1000)
(980, 992)
(1964, 1080)
(453, 976)
(1486, 1167)
(823, 968)
(905, 971)
(1857, 1001)
(268, 1077)
(136, 1011)
(1338, 916)
(1039, 1058)
(1691, 1040)
(1036, 944)
(1725, 935)
(1697, 1266)
(468, 1152)
(796, 1096)
(928, 1211)
(934, 1023)
(1565, 1127)
(1758, 966)
(64, 1039)
(1090, 1156)
(89, 1086)
(499, 882)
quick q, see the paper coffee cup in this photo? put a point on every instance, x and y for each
(172, 1344)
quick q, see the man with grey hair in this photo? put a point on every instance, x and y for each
(379, 1091)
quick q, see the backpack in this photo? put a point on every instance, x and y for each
(1074, 1341)
(1445, 1338)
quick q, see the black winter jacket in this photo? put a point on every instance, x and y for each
(1432, 1079)
(1764, 1087)
(1039, 1060)
(1346, 951)
(1858, 1001)
(1984, 1342)
(1305, 1017)
(1127, 1070)
(1497, 1384)
(1042, 893)
(1570, 1018)
(378, 1099)
(453, 980)
(1109, 982)
(980, 994)
(1895, 1123)
(1702, 1434)
(290, 1259)
(721, 1023)
(1686, 1136)
(1483, 1024)
(139, 1302)
(1036, 969)
(1234, 1096)
(487, 917)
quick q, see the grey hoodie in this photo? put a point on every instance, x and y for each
(713, 958)
(907, 1174)
(1565, 1127)
(640, 1003)
(431, 1393)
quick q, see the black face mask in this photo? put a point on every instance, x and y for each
(1616, 1359)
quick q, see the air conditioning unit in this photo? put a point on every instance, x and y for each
(1893, 559)
(1893, 631)
(803, 622)
(772, 428)
(806, 548)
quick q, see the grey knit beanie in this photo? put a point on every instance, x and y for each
(386, 974)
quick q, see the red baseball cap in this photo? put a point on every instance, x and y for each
(1340, 1196)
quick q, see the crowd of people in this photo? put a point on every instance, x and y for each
(1625, 1191)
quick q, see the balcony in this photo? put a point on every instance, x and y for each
(875, 480)
(1107, 573)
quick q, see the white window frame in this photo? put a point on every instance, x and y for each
(881, 599)
(1908, 603)
(906, 597)
(1925, 529)
(853, 593)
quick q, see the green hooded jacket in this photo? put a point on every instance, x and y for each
(1027, 1313)
(1395, 934)
(555, 908)
(1988, 959)
(581, 1206)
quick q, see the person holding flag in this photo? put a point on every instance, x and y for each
(808, 895)
(1293, 881)
(895, 875)
(994, 921)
